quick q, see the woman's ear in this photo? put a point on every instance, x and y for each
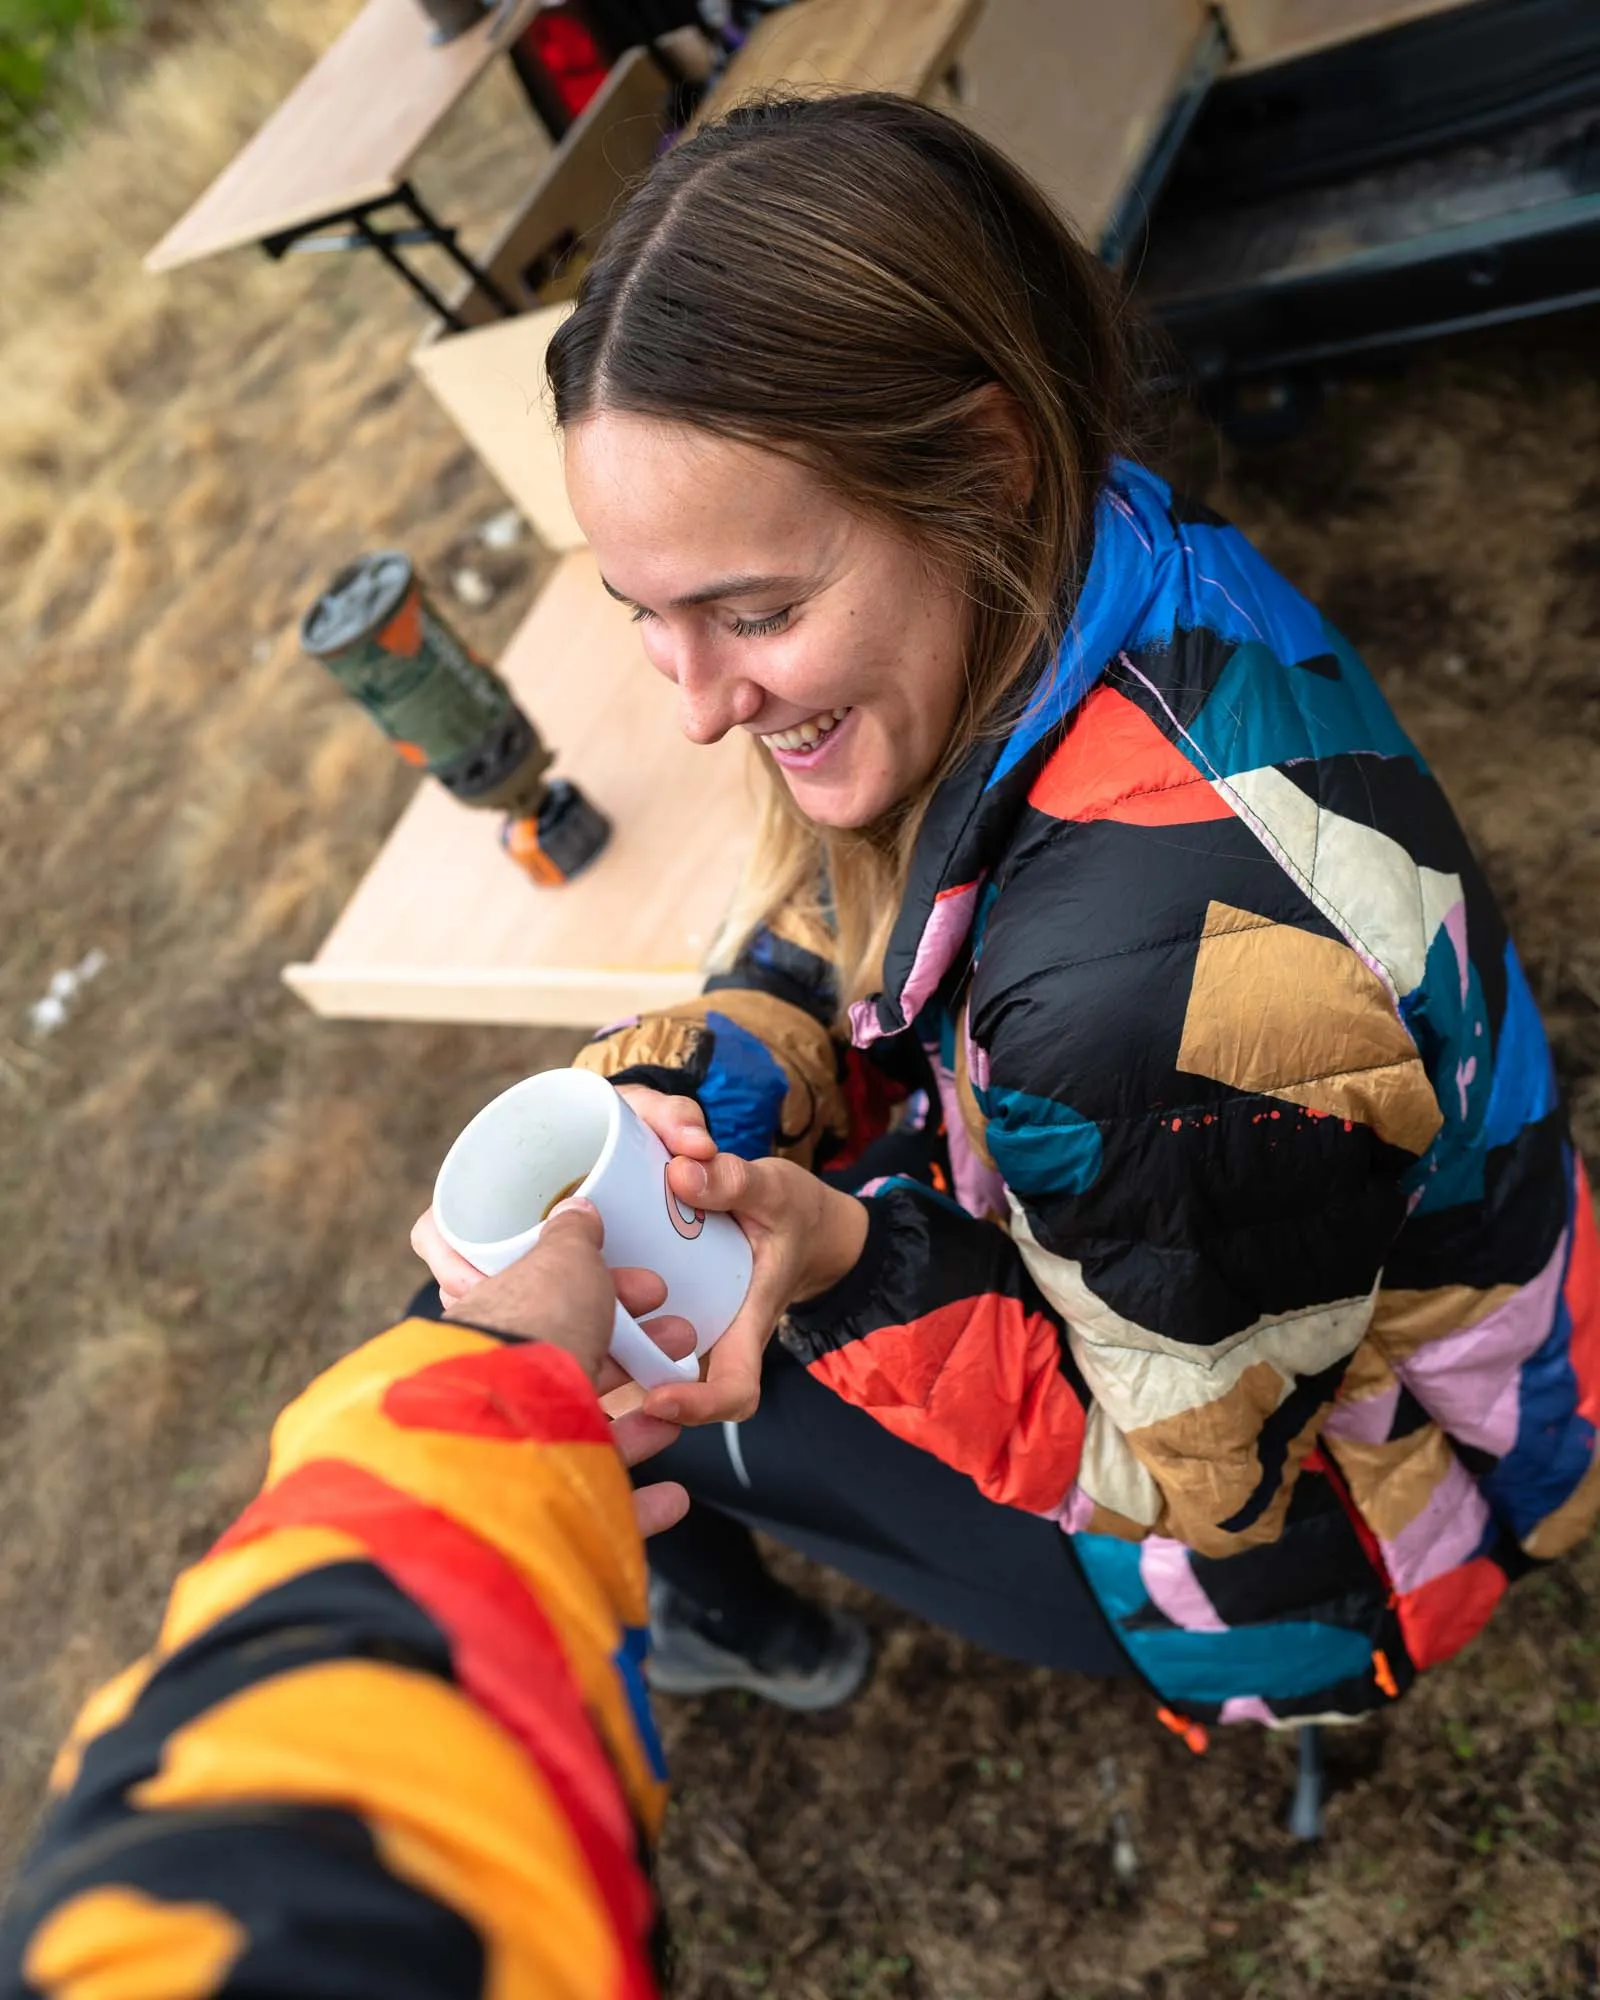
(999, 413)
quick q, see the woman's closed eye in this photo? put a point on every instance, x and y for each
(741, 628)
(760, 628)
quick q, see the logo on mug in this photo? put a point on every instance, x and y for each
(687, 1221)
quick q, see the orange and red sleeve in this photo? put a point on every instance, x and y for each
(392, 1738)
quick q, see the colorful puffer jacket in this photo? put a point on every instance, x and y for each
(1292, 1316)
(392, 1742)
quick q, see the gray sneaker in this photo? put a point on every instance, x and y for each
(818, 1660)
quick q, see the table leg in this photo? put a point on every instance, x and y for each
(445, 237)
(363, 233)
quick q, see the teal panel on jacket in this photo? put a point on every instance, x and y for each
(1451, 1031)
(1279, 1661)
(1261, 712)
(1040, 1146)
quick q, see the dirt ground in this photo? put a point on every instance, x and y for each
(204, 1191)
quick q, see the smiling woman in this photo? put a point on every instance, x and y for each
(1100, 897)
(775, 608)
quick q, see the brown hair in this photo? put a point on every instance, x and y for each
(845, 280)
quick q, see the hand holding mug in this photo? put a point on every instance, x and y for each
(568, 1132)
(451, 1272)
(561, 1293)
(678, 1122)
(804, 1235)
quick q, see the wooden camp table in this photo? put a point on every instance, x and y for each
(337, 153)
(1276, 31)
(900, 45)
(331, 168)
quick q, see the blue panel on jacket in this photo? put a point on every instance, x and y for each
(743, 1092)
(1279, 1661)
(1218, 583)
(1040, 1146)
(1524, 1077)
(1554, 1444)
(629, 1660)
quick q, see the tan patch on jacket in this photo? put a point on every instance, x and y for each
(1207, 1465)
(1276, 1011)
(1403, 1321)
(1368, 1375)
(1392, 1483)
(662, 1041)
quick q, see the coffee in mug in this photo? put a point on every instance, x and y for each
(566, 1194)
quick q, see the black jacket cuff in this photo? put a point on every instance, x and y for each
(670, 1082)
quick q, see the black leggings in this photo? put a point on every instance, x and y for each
(820, 1475)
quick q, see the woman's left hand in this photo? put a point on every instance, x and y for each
(805, 1235)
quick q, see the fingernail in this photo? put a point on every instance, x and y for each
(575, 1204)
(696, 1177)
(667, 1412)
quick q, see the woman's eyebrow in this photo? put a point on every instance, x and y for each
(728, 586)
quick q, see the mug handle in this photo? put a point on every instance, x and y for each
(633, 1350)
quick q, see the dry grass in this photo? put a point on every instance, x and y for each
(204, 1191)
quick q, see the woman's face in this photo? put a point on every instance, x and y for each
(774, 609)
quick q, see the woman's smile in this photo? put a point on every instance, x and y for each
(803, 748)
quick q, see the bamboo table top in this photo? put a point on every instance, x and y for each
(346, 134)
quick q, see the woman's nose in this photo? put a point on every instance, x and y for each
(711, 701)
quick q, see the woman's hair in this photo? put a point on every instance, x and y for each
(845, 280)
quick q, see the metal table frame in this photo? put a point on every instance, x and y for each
(363, 230)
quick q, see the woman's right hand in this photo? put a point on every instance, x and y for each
(804, 1237)
(678, 1122)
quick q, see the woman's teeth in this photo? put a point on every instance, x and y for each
(809, 734)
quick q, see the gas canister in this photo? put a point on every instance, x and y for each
(376, 630)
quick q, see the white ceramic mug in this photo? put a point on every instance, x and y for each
(567, 1132)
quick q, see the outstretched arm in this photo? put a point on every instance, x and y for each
(392, 1738)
